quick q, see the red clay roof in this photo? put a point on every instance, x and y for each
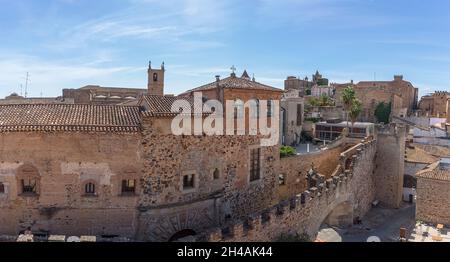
(64, 117)
(162, 105)
(234, 82)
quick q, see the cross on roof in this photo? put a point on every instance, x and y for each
(233, 69)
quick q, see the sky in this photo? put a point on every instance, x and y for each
(73, 43)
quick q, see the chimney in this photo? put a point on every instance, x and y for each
(398, 78)
(217, 78)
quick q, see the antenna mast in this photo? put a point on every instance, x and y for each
(26, 84)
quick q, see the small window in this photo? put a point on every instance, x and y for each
(216, 174)
(29, 186)
(255, 164)
(128, 186)
(282, 179)
(155, 77)
(269, 108)
(299, 115)
(188, 182)
(89, 189)
(239, 109)
(2, 188)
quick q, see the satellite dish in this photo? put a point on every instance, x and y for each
(73, 239)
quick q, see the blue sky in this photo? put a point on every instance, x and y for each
(72, 43)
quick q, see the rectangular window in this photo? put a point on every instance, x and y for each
(255, 164)
(29, 186)
(299, 115)
(128, 186)
(188, 182)
(2, 188)
(269, 108)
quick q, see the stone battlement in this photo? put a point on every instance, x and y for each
(303, 213)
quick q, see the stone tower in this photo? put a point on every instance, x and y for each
(156, 80)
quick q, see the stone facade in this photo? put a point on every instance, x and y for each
(63, 163)
(99, 95)
(294, 168)
(390, 160)
(434, 105)
(371, 93)
(352, 190)
(292, 116)
(433, 195)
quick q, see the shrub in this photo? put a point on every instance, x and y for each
(294, 238)
(287, 151)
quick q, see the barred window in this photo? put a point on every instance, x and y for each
(29, 186)
(255, 164)
(89, 189)
(128, 186)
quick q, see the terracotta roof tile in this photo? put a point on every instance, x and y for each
(234, 83)
(434, 171)
(162, 105)
(63, 117)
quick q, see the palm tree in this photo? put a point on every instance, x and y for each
(348, 96)
(355, 111)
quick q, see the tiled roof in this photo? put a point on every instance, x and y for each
(234, 82)
(162, 105)
(435, 172)
(418, 155)
(63, 117)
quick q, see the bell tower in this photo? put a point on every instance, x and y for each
(156, 80)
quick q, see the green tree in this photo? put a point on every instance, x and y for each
(325, 100)
(383, 112)
(355, 111)
(348, 96)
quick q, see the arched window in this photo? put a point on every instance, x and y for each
(155, 77)
(239, 107)
(257, 108)
(2, 188)
(89, 188)
(28, 181)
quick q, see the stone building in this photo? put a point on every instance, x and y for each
(318, 82)
(433, 194)
(292, 116)
(402, 95)
(434, 105)
(114, 170)
(15, 99)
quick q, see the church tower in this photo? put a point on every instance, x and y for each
(156, 80)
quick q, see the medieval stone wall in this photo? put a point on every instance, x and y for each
(390, 161)
(295, 168)
(167, 158)
(305, 212)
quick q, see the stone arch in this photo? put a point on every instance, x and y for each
(182, 234)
